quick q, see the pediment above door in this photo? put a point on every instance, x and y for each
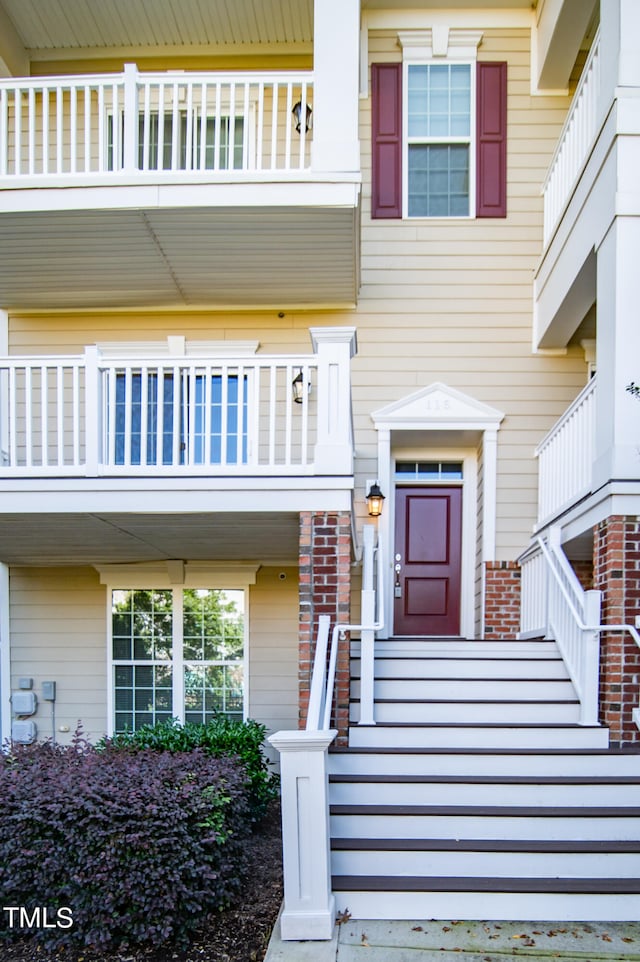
(438, 406)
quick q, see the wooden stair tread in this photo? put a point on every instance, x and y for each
(500, 811)
(384, 883)
(488, 779)
(596, 846)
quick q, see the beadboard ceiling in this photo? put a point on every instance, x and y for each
(55, 26)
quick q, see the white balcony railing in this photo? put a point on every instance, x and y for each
(96, 416)
(565, 456)
(574, 143)
(221, 124)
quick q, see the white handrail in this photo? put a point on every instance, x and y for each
(323, 675)
(572, 617)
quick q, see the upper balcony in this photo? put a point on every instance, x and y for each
(183, 187)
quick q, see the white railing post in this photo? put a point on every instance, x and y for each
(309, 904)
(317, 692)
(591, 658)
(93, 419)
(367, 635)
(130, 152)
(334, 347)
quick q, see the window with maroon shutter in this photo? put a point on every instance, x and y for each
(435, 151)
(491, 134)
(386, 160)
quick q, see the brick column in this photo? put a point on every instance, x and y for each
(325, 589)
(502, 599)
(616, 563)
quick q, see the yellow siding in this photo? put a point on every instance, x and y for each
(58, 634)
(273, 648)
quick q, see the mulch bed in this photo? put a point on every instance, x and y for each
(239, 934)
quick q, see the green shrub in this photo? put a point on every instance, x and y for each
(137, 846)
(219, 736)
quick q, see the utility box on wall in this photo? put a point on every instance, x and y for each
(23, 732)
(24, 702)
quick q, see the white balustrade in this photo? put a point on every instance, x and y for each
(91, 415)
(565, 456)
(555, 605)
(533, 597)
(576, 139)
(175, 122)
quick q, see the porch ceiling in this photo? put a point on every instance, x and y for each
(59, 26)
(188, 256)
(65, 539)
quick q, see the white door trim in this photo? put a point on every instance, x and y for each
(455, 416)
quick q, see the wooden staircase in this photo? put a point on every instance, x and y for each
(477, 795)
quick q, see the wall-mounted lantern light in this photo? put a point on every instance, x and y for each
(297, 113)
(375, 497)
(298, 387)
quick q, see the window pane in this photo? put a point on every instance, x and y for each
(142, 693)
(438, 180)
(439, 100)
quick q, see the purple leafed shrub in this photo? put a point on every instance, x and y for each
(137, 846)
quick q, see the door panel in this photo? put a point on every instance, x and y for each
(429, 543)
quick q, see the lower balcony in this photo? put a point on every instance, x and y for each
(122, 459)
(94, 416)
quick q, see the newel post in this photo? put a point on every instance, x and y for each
(334, 347)
(309, 904)
(591, 659)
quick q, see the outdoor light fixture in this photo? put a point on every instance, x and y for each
(375, 498)
(297, 113)
(297, 387)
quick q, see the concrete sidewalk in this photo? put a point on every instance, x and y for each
(456, 941)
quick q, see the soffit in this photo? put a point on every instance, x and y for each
(51, 539)
(225, 257)
(59, 25)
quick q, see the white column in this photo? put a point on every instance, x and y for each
(336, 55)
(130, 162)
(94, 417)
(386, 524)
(5, 656)
(309, 905)
(334, 348)
(4, 390)
(618, 350)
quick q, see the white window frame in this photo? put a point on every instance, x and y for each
(175, 576)
(114, 149)
(445, 46)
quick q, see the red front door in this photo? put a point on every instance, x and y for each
(427, 561)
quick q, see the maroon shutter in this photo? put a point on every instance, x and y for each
(386, 123)
(491, 132)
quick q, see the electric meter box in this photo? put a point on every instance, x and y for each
(23, 732)
(24, 702)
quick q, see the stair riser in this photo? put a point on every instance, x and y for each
(423, 648)
(470, 737)
(462, 668)
(353, 763)
(520, 713)
(488, 905)
(470, 689)
(481, 826)
(383, 793)
(482, 864)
